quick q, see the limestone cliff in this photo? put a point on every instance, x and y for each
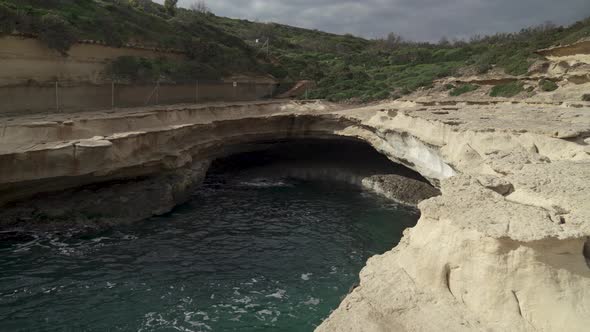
(504, 248)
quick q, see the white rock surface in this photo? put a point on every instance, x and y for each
(504, 248)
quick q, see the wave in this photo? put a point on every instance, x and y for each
(265, 183)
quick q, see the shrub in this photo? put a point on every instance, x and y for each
(200, 7)
(56, 33)
(449, 86)
(133, 69)
(137, 69)
(463, 89)
(507, 90)
(380, 95)
(191, 70)
(7, 19)
(170, 6)
(277, 72)
(110, 32)
(586, 97)
(516, 65)
(483, 63)
(338, 97)
(547, 85)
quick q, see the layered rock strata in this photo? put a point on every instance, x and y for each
(504, 248)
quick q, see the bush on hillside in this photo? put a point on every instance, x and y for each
(136, 69)
(547, 85)
(483, 62)
(133, 68)
(517, 64)
(170, 6)
(276, 71)
(110, 31)
(380, 95)
(56, 33)
(7, 19)
(340, 96)
(586, 97)
(507, 90)
(465, 88)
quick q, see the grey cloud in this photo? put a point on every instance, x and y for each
(413, 19)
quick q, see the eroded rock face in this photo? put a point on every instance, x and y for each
(475, 261)
(504, 248)
(96, 207)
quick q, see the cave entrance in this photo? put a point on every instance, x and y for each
(238, 255)
(332, 159)
(285, 222)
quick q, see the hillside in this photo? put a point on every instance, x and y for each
(347, 67)
(344, 67)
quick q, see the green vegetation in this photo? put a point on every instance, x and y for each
(137, 69)
(60, 23)
(465, 88)
(344, 67)
(170, 6)
(547, 85)
(507, 90)
(586, 97)
(57, 33)
(7, 21)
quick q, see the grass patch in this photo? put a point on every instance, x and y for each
(547, 85)
(465, 88)
(507, 90)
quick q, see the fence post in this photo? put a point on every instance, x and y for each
(112, 94)
(56, 97)
(158, 92)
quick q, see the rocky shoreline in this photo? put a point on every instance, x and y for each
(505, 247)
(94, 208)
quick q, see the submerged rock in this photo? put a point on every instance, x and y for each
(401, 189)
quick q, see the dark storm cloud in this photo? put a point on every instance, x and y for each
(413, 19)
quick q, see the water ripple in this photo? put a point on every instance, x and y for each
(260, 255)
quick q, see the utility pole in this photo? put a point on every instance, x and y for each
(265, 45)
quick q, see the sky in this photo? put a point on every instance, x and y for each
(419, 20)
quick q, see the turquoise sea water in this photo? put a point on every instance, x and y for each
(251, 256)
